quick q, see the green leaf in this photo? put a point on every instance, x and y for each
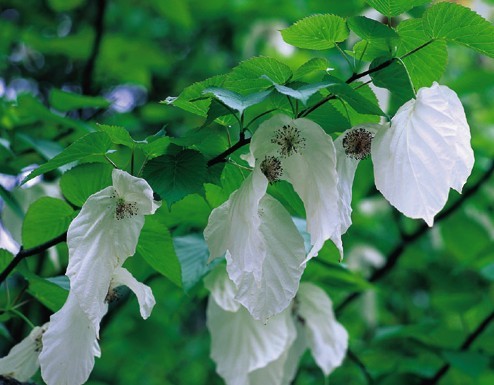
(303, 93)
(174, 176)
(236, 101)
(395, 7)
(355, 116)
(155, 145)
(11, 201)
(89, 148)
(68, 101)
(316, 64)
(316, 32)
(5, 258)
(358, 102)
(394, 78)
(45, 219)
(246, 77)
(49, 291)
(429, 63)
(216, 110)
(156, 247)
(461, 25)
(80, 182)
(371, 30)
(470, 363)
(117, 134)
(193, 253)
(190, 99)
(64, 5)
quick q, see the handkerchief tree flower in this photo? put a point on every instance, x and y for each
(248, 351)
(264, 251)
(100, 239)
(423, 153)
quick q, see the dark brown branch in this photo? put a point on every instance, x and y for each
(87, 76)
(24, 253)
(222, 157)
(396, 253)
(466, 344)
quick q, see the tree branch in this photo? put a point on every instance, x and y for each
(396, 253)
(87, 75)
(466, 344)
(222, 157)
(24, 253)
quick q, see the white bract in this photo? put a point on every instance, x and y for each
(100, 239)
(425, 152)
(264, 251)
(22, 361)
(249, 352)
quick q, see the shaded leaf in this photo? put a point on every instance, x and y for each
(236, 101)
(68, 101)
(395, 7)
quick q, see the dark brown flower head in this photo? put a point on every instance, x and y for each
(357, 143)
(271, 168)
(289, 139)
(125, 209)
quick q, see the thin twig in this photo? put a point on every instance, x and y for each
(396, 253)
(24, 253)
(351, 355)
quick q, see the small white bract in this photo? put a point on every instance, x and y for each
(100, 239)
(22, 361)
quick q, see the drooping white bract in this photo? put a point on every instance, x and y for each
(326, 337)
(22, 361)
(70, 344)
(264, 250)
(426, 152)
(100, 239)
(249, 352)
(103, 236)
(300, 152)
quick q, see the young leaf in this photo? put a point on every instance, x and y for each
(461, 25)
(174, 176)
(68, 101)
(316, 32)
(80, 182)
(394, 78)
(316, 64)
(85, 149)
(371, 30)
(427, 64)
(302, 93)
(236, 101)
(45, 219)
(246, 77)
(156, 247)
(188, 98)
(395, 7)
(353, 98)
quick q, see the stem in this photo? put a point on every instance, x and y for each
(417, 49)
(221, 157)
(23, 317)
(361, 366)
(344, 56)
(111, 161)
(24, 253)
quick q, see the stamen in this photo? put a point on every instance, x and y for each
(125, 209)
(271, 168)
(357, 143)
(289, 139)
(113, 295)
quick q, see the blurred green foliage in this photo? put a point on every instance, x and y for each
(403, 328)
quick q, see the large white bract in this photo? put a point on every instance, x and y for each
(424, 153)
(100, 239)
(249, 352)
